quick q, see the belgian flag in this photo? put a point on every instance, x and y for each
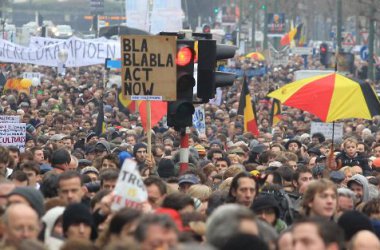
(275, 115)
(100, 126)
(126, 106)
(248, 110)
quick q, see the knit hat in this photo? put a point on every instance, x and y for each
(263, 202)
(165, 168)
(201, 150)
(89, 169)
(76, 213)
(137, 147)
(352, 222)
(245, 241)
(122, 156)
(33, 196)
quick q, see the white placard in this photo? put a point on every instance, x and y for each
(31, 75)
(9, 119)
(326, 129)
(13, 134)
(130, 190)
(199, 119)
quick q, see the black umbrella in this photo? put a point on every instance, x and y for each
(117, 30)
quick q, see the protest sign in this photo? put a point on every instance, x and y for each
(148, 67)
(130, 190)
(9, 119)
(80, 52)
(326, 129)
(199, 120)
(13, 134)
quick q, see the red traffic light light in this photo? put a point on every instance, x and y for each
(184, 56)
(323, 50)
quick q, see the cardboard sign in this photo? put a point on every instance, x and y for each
(199, 119)
(148, 67)
(13, 134)
(130, 190)
(326, 129)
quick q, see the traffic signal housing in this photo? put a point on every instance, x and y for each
(180, 112)
(208, 79)
(323, 54)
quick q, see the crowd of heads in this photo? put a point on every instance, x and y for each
(286, 188)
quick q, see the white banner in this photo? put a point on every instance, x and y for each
(167, 15)
(13, 134)
(130, 190)
(326, 129)
(80, 52)
(199, 120)
(9, 119)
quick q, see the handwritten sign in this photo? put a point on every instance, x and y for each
(326, 129)
(199, 120)
(13, 134)
(130, 190)
(9, 119)
(148, 67)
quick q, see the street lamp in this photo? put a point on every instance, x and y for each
(62, 58)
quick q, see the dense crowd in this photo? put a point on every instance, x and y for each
(283, 189)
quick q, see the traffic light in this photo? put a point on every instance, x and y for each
(180, 112)
(323, 54)
(208, 79)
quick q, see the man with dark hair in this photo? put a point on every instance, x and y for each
(77, 222)
(301, 177)
(14, 152)
(108, 179)
(70, 188)
(110, 161)
(222, 164)
(316, 233)
(19, 178)
(156, 189)
(180, 202)
(317, 138)
(38, 154)
(4, 161)
(243, 189)
(60, 160)
(157, 231)
(32, 170)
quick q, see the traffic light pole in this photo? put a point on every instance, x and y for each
(265, 27)
(371, 43)
(253, 38)
(184, 151)
(339, 25)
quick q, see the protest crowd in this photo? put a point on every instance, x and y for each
(282, 189)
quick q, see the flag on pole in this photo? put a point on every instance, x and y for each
(247, 109)
(291, 35)
(158, 110)
(275, 115)
(127, 106)
(100, 126)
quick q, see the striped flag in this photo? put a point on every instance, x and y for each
(247, 109)
(294, 33)
(275, 115)
(100, 126)
(127, 106)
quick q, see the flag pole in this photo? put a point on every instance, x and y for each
(149, 126)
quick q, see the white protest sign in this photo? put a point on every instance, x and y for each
(199, 119)
(130, 190)
(13, 134)
(9, 119)
(80, 52)
(217, 100)
(31, 75)
(326, 129)
(148, 67)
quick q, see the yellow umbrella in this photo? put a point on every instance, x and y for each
(256, 55)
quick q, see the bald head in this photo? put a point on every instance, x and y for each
(365, 240)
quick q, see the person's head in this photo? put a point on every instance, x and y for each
(140, 152)
(266, 208)
(372, 209)
(131, 139)
(110, 161)
(32, 170)
(317, 138)
(108, 179)
(156, 189)
(376, 150)
(77, 222)
(350, 146)
(60, 159)
(179, 201)
(156, 231)
(364, 240)
(301, 178)
(346, 200)
(293, 146)
(227, 221)
(222, 164)
(4, 160)
(186, 181)
(243, 189)
(123, 224)
(317, 234)
(19, 178)
(70, 187)
(359, 185)
(320, 198)
(29, 196)
(14, 152)
(20, 222)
